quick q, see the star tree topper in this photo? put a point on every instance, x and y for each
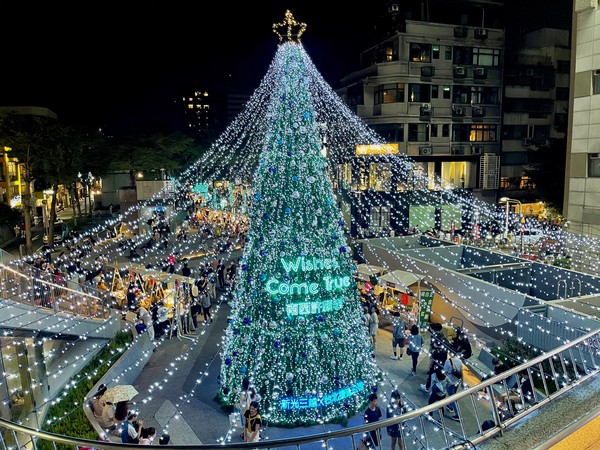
(289, 23)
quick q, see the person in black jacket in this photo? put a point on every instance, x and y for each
(461, 344)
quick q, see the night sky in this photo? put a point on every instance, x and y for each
(99, 62)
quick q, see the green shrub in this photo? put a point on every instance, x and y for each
(71, 405)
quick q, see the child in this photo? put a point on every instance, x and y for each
(394, 409)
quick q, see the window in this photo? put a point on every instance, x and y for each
(446, 130)
(380, 176)
(477, 94)
(390, 132)
(562, 93)
(448, 53)
(596, 82)
(435, 89)
(420, 52)
(380, 217)
(418, 132)
(514, 132)
(481, 95)
(473, 133)
(482, 133)
(461, 94)
(434, 130)
(486, 57)
(389, 93)
(446, 92)
(563, 66)
(435, 51)
(419, 93)
(594, 165)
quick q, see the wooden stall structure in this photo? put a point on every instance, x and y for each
(395, 285)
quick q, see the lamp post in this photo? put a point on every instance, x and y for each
(508, 201)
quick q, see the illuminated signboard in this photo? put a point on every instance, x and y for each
(377, 149)
(326, 286)
(289, 403)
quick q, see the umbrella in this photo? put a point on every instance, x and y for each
(122, 392)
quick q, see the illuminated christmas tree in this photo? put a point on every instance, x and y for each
(295, 328)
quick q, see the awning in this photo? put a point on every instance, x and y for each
(366, 271)
(399, 279)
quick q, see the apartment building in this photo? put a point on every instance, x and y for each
(582, 180)
(434, 91)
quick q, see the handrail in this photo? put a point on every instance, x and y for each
(29, 287)
(564, 355)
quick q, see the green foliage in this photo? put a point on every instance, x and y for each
(152, 151)
(73, 421)
(9, 216)
(514, 353)
(565, 263)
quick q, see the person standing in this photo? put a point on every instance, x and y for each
(147, 436)
(221, 273)
(186, 271)
(373, 325)
(206, 304)
(461, 344)
(373, 414)
(415, 344)
(398, 335)
(252, 423)
(437, 387)
(394, 409)
(453, 368)
(439, 353)
(130, 433)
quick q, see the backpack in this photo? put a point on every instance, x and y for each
(438, 389)
(457, 373)
(399, 331)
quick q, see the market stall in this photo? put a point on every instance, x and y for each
(397, 295)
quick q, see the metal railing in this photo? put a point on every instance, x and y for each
(485, 410)
(38, 288)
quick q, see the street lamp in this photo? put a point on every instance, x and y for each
(508, 201)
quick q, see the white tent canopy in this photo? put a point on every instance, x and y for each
(366, 271)
(399, 279)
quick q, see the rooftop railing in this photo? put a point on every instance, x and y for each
(486, 409)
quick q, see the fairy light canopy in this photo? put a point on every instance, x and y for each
(288, 26)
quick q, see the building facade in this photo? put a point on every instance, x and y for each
(582, 181)
(434, 91)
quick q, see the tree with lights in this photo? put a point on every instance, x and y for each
(295, 328)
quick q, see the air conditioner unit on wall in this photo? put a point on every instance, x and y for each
(480, 33)
(425, 151)
(479, 72)
(458, 111)
(427, 71)
(594, 155)
(461, 32)
(457, 150)
(477, 150)
(460, 72)
(478, 111)
(426, 107)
